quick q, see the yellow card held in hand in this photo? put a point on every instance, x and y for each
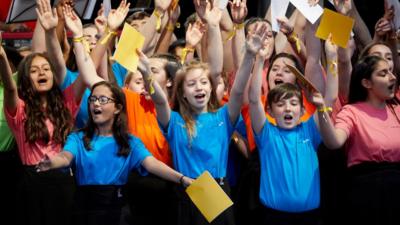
(208, 196)
(125, 54)
(338, 25)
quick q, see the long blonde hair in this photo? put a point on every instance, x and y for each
(181, 104)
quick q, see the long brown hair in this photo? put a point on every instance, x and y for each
(181, 104)
(55, 111)
(119, 127)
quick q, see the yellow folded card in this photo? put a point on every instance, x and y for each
(338, 25)
(208, 196)
(125, 54)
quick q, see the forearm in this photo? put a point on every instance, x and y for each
(159, 169)
(237, 46)
(85, 65)
(55, 55)
(215, 51)
(63, 159)
(344, 70)
(313, 67)
(361, 32)
(37, 40)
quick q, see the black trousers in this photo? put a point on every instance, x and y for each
(275, 217)
(187, 212)
(10, 172)
(374, 196)
(97, 205)
(45, 198)
(151, 200)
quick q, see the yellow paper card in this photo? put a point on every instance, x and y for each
(125, 54)
(208, 196)
(338, 25)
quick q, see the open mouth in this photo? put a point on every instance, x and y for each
(278, 81)
(288, 117)
(42, 81)
(392, 87)
(200, 96)
(96, 111)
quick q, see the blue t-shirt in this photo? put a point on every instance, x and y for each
(83, 114)
(101, 165)
(208, 149)
(289, 167)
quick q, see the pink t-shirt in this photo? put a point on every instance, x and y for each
(31, 154)
(373, 134)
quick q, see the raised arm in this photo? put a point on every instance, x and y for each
(313, 67)
(332, 137)
(87, 70)
(115, 18)
(239, 12)
(253, 45)
(61, 160)
(158, 96)
(166, 37)
(10, 88)
(193, 36)
(48, 19)
(332, 84)
(295, 42)
(344, 68)
(212, 15)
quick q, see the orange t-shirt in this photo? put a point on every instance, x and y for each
(142, 122)
(308, 112)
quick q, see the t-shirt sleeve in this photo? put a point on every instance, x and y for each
(262, 137)
(72, 144)
(345, 120)
(241, 127)
(138, 154)
(15, 121)
(119, 73)
(224, 113)
(168, 130)
(69, 78)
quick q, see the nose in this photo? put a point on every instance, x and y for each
(392, 76)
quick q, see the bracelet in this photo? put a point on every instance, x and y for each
(325, 109)
(332, 66)
(157, 14)
(236, 26)
(150, 78)
(83, 41)
(108, 36)
(78, 39)
(185, 52)
(170, 27)
(293, 38)
(181, 180)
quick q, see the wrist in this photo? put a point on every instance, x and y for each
(323, 109)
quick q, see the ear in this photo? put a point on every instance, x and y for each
(119, 107)
(366, 83)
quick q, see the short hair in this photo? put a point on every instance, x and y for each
(284, 91)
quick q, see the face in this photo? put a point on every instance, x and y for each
(178, 51)
(90, 34)
(138, 23)
(41, 74)
(280, 73)
(157, 67)
(103, 110)
(136, 83)
(384, 52)
(287, 112)
(382, 83)
(197, 89)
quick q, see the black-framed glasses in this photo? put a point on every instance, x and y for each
(102, 99)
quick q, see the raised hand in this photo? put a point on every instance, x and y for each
(212, 14)
(195, 33)
(313, 2)
(101, 21)
(47, 16)
(44, 164)
(284, 26)
(144, 63)
(162, 5)
(238, 10)
(256, 40)
(174, 14)
(72, 21)
(343, 6)
(330, 49)
(117, 16)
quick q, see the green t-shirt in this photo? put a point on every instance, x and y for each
(7, 141)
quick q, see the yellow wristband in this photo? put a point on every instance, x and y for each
(151, 84)
(157, 14)
(108, 36)
(236, 26)
(332, 66)
(83, 41)
(78, 39)
(293, 38)
(184, 54)
(325, 109)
